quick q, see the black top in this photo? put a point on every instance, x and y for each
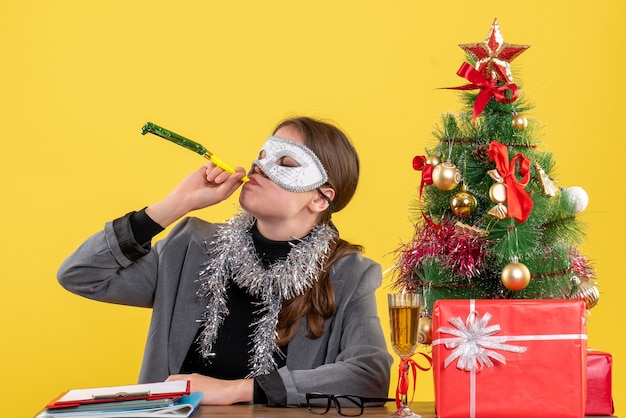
(233, 344)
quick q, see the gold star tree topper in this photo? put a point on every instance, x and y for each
(494, 55)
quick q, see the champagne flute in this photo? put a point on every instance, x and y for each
(404, 309)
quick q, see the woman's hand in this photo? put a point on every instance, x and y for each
(218, 391)
(206, 186)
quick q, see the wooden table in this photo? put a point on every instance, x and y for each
(425, 409)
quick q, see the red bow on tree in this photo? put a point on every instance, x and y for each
(488, 88)
(419, 164)
(519, 203)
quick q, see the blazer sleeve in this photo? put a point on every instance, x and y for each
(111, 266)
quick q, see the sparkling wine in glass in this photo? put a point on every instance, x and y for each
(404, 314)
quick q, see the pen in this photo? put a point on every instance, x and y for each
(190, 145)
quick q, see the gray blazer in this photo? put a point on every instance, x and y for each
(350, 358)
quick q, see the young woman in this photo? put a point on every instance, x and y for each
(265, 308)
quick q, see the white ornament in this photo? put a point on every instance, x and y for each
(578, 196)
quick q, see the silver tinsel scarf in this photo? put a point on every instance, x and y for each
(233, 256)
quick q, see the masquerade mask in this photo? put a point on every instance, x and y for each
(308, 175)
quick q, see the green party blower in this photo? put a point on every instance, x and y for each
(189, 144)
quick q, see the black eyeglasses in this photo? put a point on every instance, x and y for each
(346, 405)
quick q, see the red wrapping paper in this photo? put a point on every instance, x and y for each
(547, 379)
(599, 383)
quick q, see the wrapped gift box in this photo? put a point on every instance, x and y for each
(509, 358)
(599, 383)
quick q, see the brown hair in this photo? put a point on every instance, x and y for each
(341, 162)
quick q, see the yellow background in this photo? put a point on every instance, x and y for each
(79, 78)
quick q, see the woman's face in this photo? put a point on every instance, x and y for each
(267, 201)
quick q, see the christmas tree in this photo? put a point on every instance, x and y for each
(490, 221)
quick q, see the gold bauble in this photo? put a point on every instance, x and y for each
(433, 160)
(589, 293)
(519, 122)
(425, 332)
(446, 176)
(515, 276)
(463, 203)
(497, 192)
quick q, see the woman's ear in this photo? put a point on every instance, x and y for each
(323, 200)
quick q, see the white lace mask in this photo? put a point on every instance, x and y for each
(308, 175)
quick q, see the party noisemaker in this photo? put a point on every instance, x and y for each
(189, 144)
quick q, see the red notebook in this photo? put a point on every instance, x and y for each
(147, 391)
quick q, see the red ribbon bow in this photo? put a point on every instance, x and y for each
(488, 89)
(519, 202)
(403, 376)
(431, 223)
(419, 164)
